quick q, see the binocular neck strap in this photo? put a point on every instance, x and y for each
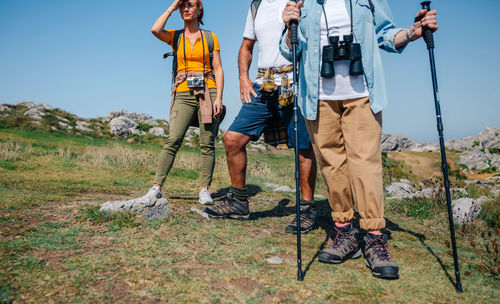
(326, 19)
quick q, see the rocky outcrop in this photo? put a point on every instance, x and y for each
(404, 189)
(147, 207)
(123, 126)
(136, 117)
(481, 152)
(35, 105)
(403, 143)
(5, 108)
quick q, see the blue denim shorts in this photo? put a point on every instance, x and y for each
(255, 116)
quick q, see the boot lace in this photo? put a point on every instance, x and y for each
(340, 238)
(379, 246)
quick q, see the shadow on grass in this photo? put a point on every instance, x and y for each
(421, 237)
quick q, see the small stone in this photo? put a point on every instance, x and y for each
(284, 189)
(275, 260)
(266, 231)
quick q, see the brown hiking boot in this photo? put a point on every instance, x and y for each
(345, 246)
(378, 258)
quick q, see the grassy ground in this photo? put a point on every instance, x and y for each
(56, 247)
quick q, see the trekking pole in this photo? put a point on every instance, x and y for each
(429, 40)
(295, 43)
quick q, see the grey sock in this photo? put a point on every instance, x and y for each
(239, 193)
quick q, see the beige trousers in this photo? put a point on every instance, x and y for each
(346, 139)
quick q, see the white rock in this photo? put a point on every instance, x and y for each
(319, 197)
(5, 108)
(400, 190)
(275, 260)
(466, 210)
(35, 105)
(34, 113)
(136, 117)
(122, 126)
(148, 207)
(65, 126)
(84, 129)
(82, 123)
(284, 189)
(202, 213)
(157, 131)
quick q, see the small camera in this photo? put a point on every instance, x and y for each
(195, 82)
(341, 50)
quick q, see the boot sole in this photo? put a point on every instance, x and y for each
(325, 257)
(389, 273)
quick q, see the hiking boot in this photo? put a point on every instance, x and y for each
(345, 246)
(378, 258)
(231, 208)
(307, 221)
(205, 198)
(154, 192)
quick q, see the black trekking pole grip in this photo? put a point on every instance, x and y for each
(294, 25)
(426, 32)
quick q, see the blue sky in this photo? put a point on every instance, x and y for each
(96, 56)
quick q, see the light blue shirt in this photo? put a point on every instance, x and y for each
(372, 29)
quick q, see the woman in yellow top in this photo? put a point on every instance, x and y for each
(196, 92)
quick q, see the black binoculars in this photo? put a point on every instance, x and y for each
(341, 50)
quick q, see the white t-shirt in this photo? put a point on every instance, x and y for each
(342, 86)
(267, 32)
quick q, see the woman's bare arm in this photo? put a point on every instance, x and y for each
(158, 28)
(219, 79)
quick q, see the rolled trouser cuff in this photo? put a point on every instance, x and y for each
(343, 217)
(372, 224)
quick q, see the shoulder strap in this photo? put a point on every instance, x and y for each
(210, 43)
(254, 7)
(175, 45)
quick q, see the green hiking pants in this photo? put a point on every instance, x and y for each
(186, 105)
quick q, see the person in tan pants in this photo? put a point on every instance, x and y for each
(343, 112)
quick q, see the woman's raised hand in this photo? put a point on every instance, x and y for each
(175, 5)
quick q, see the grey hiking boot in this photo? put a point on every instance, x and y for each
(307, 221)
(345, 246)
(205, 198)
(378, 258)
(154, 192)
(231, 208)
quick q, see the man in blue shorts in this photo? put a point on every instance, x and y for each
(267, 108)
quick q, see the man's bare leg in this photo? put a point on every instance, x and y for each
(308, 171)
(236, 155)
